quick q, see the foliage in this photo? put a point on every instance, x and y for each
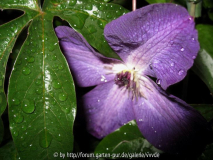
(37, 92)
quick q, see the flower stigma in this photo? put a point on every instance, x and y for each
(128, 78)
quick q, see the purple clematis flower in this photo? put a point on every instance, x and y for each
(155, 41)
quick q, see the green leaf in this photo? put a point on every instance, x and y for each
(208, 3)
(127, 139)
(88, 17)
(1, 130)
(41, 94)
(207, 154)
(8, 151)
(205, 109)
(158, 1)
(203, 66)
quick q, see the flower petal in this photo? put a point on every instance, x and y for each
(87, 66)
(159, 40)
(107, 108)
(169, 123)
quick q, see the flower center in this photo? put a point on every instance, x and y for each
(128, 78)
(131, 80)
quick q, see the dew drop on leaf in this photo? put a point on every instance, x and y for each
(72, 2)
(60, 67)
(62, 97)
(88, 7)
(15, 101)
(28, 106)
(56, 84)
(54, 57)
(91, 29)
(45, 138)
(26, 71)
(18, 118)
(65, 109)
(59, 137)
(38, 91)
(15, 133)
(31, 59)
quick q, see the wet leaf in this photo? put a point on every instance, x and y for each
(203, 66)
(127, 139)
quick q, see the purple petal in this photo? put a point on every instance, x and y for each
(159, 39)
(87, 66)
(107, 108)
(169, 123)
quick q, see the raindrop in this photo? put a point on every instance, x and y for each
(54, 57)
(56, 84)
(172, 64)
(26, 71)
(59, 137)
(193, 38)
(124, 133)
(60, 67)
(158, 81)
(140, 120)
(193, 57)
(182, 49)
(15, 133)
(91, 29)
(39, 91)
(31, 59)
(24, 127)
(150, 66)
(101, 24)
(38, 82)
(66, 109)
(15, 101)
(88, 7)
(28, 106)
(45, 138)
(62, 96)
(72, 2)
(18, 118)
(180, 72)
(107, 149)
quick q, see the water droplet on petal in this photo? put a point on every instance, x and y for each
(193, 38)
(150, 66)
(172, 64)
(182, 49)
(45, 138)
(28, 106)
(158, 81)
(18, 118)
(62, 96)
(180, 72)
(193, 57)
(26, 71)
